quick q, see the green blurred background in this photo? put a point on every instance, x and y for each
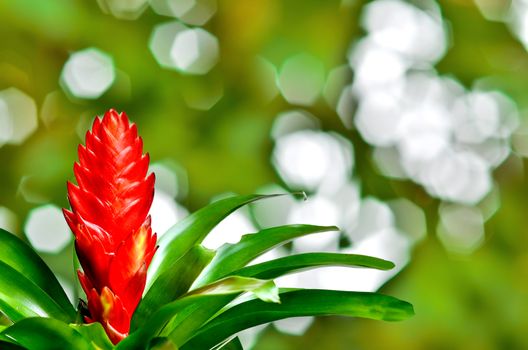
(209, 117)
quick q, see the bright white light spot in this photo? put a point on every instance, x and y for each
(461, 177)
(401, 27)
(493, 151)
(310, 159)
(316, 211)
(476, 117)
(195, 51)
(18, 116)
(47, 230)
(161, 41)
(378, 118)
(376, 66)
(295, 120)
(461, 228)
(88, 73)
(165, 212)
(230, 230)
(386, 244)
(374, 216)
(424, 132)
(347, 198)
(301, 79)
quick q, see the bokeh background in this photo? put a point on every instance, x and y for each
(403, 121)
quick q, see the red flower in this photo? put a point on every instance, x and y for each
(110, 221)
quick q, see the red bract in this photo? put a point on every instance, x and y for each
(110, 221)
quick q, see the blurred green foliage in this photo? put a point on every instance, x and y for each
(462, 302)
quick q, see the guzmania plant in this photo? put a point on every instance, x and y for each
(171, 293)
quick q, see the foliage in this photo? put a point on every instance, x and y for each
(205, 309)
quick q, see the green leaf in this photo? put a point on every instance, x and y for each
(179, 239)
(299, 303)
(21, 298)
(300, 262)
(6, 345)
(191, 311)
(262, 289)
(46, 334)
(162, 344)
(94, 334)
(22, 258)
(172, 283)
(231, 257)
(230, 344)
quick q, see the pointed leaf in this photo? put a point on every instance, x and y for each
(179, 239)
(301, 262)
(22, 258)
(21, 298)
(94, 334)
(298, 303)
(173, 283)
(191, 311)
(231, 257)
(262, 289)
(46, 334)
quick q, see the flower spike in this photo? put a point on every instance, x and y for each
(109, 218)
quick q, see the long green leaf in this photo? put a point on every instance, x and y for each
(46, 334)
(231, 257)
(21, 257)
(190, 309)
(300, 262)
(299, 303)
(179, 239)
(21, 298)
(172, 283)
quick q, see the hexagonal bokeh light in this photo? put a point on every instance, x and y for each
(18, 116)
(123, 9)
(88, 73)
(47, 230)
(195, 51)
(195, 12)
(161, 41)
(188, 50)
(301, 79)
